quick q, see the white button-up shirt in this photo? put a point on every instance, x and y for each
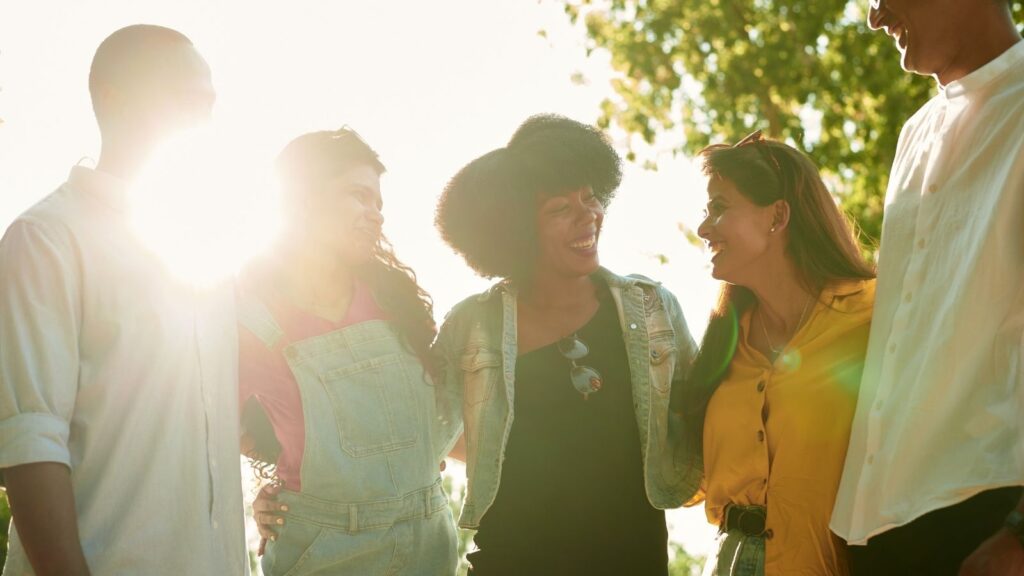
(111, 367)
(940, 415)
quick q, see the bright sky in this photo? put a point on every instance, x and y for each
(431, 85)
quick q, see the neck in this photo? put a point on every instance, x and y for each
(994, 35)
(122, 158)
(781, 297)
(312, 276)
(555, 291)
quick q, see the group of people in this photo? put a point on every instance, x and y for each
(830, 422)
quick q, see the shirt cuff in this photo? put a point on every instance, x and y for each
(34, 437)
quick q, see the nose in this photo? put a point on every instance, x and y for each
(704, 228)
(587, 213)
(374, 215)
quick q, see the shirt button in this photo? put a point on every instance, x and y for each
(892, 348)
(214, 524)
(908, 296)
(654, 354)
(878, 406)
(920, 242)
(769, 534)
(871, 459)
(632, 326)
(760, 386)
(760, 435)
(933, 189)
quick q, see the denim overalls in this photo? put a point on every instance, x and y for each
(371, 500)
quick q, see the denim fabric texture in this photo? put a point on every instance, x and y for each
(738, 555)
(477, 350)
(371, 499)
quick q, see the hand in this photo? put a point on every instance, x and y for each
(266, 511)
(1000, 555)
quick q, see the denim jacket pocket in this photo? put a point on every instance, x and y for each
(481, 370)
(663, 354)
(372, 403)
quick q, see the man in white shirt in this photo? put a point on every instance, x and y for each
(936, 458)
(118, 384)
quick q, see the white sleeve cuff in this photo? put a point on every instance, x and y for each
(34, 437)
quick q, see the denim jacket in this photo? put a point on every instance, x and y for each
(477, 350)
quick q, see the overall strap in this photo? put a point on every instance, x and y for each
(254, 315)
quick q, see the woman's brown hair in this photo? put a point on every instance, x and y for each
(821, 244)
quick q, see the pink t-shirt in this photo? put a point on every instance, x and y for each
(265, 374)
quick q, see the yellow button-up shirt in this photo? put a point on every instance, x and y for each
(775, 434)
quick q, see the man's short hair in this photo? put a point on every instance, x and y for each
(128, 54)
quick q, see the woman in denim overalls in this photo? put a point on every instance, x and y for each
(334, 345)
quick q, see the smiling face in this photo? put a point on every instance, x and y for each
(931, 35)
(568, 229)
(736, 230)
(343, 217)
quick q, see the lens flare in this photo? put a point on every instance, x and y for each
(204, 205)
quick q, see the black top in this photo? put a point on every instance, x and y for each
(572, 498)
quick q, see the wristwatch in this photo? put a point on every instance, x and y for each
(1015, 524)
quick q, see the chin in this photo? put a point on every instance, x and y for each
(720, 273)
(583, 269)
(356, 257)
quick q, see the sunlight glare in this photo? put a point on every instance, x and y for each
(205, 204)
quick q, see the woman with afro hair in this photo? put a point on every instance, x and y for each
(561, 372)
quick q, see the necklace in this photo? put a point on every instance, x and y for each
(764, 327)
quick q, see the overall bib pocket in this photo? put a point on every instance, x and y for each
(373, 405)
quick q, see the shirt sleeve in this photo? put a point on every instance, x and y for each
(689, 446)
(449, 390)
(684, 340)
(39, 326)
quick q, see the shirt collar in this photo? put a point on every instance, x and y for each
(106, 188)
(1008, 60)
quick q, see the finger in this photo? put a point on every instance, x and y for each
(268, 519)
(272, 506)
(266, 533)
(263, 547)
(270, 490)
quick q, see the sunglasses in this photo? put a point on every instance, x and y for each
(757, 137)
(346, 132)
(585, 379)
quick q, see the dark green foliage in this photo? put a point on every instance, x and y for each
(704, 71)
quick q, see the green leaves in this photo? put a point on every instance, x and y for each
(693, 72)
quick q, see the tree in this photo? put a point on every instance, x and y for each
(682, 563)
(5, 521)
(700, 71)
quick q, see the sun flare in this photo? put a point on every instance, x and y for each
(205, 205)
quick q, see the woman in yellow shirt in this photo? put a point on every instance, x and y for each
(777, 375)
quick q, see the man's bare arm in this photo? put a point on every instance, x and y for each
(43, 510)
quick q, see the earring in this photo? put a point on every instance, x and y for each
(772, 229)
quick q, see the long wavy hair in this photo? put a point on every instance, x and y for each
(307, 162)
(821, 244)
